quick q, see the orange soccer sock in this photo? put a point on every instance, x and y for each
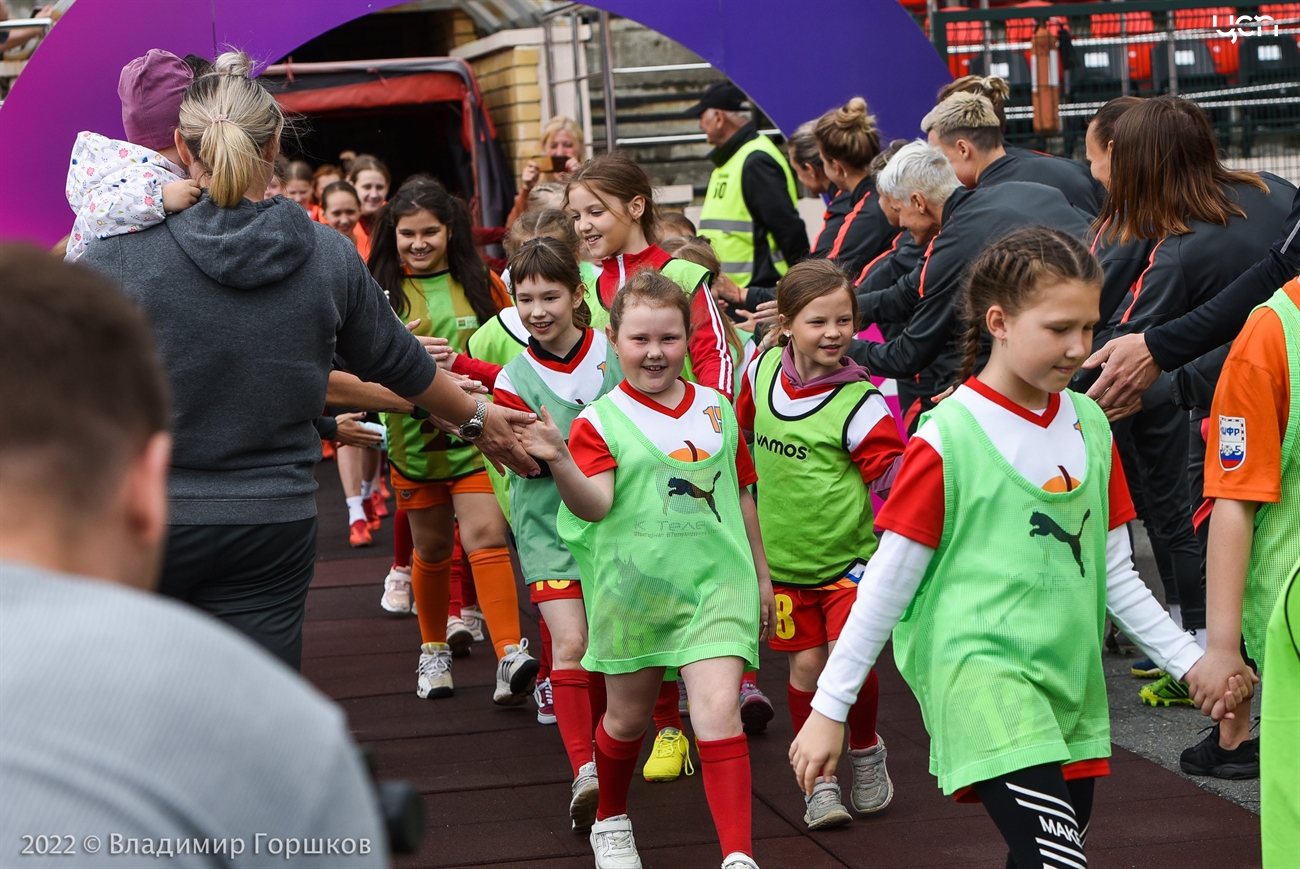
(431, 587)
(494, 579)
(724, 765)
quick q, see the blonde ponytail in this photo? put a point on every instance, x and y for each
(848, 134)
(227, 120)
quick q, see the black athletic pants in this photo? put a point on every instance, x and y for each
(1042, 817)
(1153, 448)
(252, 577)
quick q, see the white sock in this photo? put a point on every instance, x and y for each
(355, 510)
(1176, 613)
(366, 488)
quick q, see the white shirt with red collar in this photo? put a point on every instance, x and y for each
(711, 362)
(871, 436)
(577, 378)
(1044, 447)
(689, 432)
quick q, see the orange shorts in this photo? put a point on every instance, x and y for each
(417, 496)
(810, 617)
(554, 589)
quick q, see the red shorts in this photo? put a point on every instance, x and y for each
(414, 495)
(554, 589)
(810, 617)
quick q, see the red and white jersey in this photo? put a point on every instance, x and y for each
(689, 432)
(871, 436)
(1044, 447)
(577, 378)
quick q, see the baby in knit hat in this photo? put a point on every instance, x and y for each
(115, 187)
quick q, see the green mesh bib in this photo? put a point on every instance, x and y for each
(667, 576)
(1279, 732)
(535, 501)
(804, 466)
(1276, 544)
(1002, 643)
(417, 448)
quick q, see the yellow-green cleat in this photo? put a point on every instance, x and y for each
(1166, 691)
(669, 756)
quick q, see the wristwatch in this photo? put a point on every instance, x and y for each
(473, 429)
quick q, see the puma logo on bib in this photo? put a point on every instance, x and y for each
(1042, 525)
(679, 486)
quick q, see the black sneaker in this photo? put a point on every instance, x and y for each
(1207, 757)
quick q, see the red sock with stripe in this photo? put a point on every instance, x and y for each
(667, 711)
(724, 763)
(615, 766)
(800, 706)
(862, 714)
(573, 715)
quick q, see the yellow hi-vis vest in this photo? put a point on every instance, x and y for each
(725, 220)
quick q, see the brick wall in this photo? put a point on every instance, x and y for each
(508, 79)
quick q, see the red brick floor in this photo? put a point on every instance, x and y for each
(496, 783)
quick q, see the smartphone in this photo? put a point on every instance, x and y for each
(557, 163)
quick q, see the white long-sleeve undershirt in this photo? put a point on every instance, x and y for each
(894, 574)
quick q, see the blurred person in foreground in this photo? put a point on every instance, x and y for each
(123, 714)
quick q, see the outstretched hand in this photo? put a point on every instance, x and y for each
(816, 750)
(1127, 371)
(500, 442)
(543, 439)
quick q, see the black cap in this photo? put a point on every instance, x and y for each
(721, 95)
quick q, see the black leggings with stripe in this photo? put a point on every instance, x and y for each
(1042, 817)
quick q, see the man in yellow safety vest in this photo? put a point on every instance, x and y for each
(749, 213)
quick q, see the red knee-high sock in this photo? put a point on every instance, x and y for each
(800, 706)
(573, 715)
(403, 545)
(750, 678)
(544, 670)
(468, 590)
(615, 766)
(667, 712)
(596, 694)
(459, 576)
(724, 764)
(430, 582)
(862, 714)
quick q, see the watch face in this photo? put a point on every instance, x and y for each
(471, 430)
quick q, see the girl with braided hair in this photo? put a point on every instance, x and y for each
(1004, 548)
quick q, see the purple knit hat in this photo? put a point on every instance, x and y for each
(151, 89)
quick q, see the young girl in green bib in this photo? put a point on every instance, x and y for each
(566, 366)
(823, 435)
(673, 575)
(423, 256)
(1003, 550)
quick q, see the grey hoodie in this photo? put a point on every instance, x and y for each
(249, 305)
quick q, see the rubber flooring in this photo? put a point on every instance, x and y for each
(496, 783)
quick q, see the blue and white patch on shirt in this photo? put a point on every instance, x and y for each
(1232, 442)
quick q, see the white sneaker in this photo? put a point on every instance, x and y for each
(458, 636)
(613, 845)
(586, 796)
(433, 675)
(872, 789)
(738, 860)
(823, 809)
(516, 675)
(397, 591)
(473, 618)
(545, 700)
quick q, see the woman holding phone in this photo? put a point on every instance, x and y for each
(561, 152)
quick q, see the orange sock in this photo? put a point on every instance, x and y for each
(494, 579)
(431, 587)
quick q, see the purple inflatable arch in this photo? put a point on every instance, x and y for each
(794, 65)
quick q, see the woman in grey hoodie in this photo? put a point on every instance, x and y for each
(251, 301)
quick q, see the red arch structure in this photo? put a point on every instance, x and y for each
(795, 61)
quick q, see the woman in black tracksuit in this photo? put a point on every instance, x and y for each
(1176, 229)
